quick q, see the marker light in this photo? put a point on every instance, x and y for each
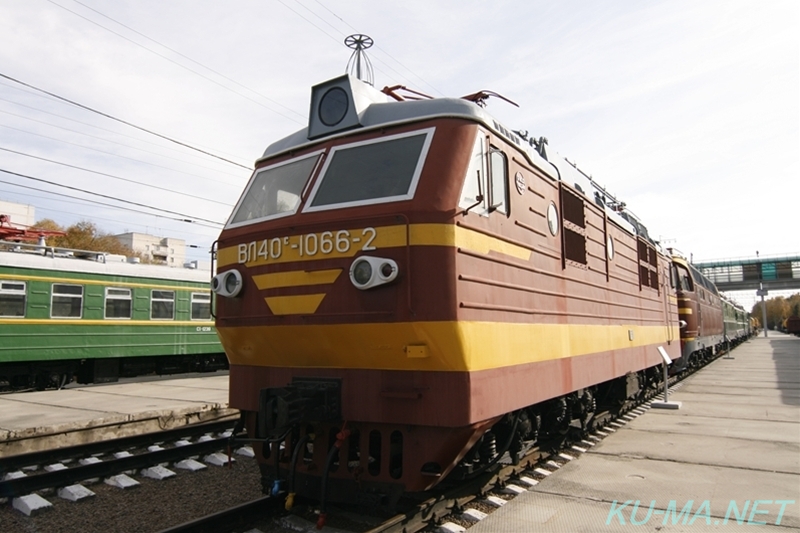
(228, 283)
(367, 272)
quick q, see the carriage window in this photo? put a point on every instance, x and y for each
(274, 191)
(12, 298)
(374, 171)
(201, 306)
(118, 303)
(67, 301)
(162, 305)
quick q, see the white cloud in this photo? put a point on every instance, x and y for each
(687, 110)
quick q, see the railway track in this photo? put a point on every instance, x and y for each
(480, 492)
(39, 474)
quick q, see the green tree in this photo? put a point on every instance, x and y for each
(778, 309)
(84, 235)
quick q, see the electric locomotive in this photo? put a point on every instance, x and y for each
(700, 308)
(408, 290)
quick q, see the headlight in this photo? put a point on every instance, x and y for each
(367, 272)
(229, 283)
(333, 106)
(362, 272)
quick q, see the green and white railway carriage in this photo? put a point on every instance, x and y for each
(94, 316)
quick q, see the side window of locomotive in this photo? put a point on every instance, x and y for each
(67, 301)
(274, 191)
(162, 305)
(118, 303)
(201, 306)
(499, 175)
(374, 171)
(12, 298)
(473, 193)
(573, 213)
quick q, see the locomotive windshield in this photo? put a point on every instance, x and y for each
(374, 171)
(274, 191)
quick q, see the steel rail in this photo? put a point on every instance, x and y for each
(60, 478)
(15, 462)
(238, 516)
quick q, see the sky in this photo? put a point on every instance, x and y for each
(688, 111)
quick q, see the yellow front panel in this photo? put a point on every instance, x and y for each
(453, 346)
(305, 304)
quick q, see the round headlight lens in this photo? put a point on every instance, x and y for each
(215, 284)
(362, 272)
(231, 283)
(333, 106)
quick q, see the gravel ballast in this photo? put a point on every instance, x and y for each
(151, 507)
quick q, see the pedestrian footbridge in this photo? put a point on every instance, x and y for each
(768, 273)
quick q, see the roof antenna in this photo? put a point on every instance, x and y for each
(361, 68)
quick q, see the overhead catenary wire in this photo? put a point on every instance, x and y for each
(183, 66)
(185, 57)
(378, 47)
(97, 202)
(188, 218)
(121, 121)
(335, 38)
(107, 140)
(135, 182)
(84, 216)
(114, 155)
(95, 126)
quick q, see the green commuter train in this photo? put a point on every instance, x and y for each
(93, 317)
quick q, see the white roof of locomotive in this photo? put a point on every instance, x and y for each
(376, 110)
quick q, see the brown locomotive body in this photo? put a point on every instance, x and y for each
(428, 280)
(700, 309)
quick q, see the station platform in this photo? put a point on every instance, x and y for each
(728, 458)
(35, 421)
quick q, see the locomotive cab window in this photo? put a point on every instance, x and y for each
(684, 279)
(201, 306)
(118, 303)
(162, 305)
(274, 191)
(486, 184)
(498, 167)
(374, 171)
(12, 298)
(67, 301)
